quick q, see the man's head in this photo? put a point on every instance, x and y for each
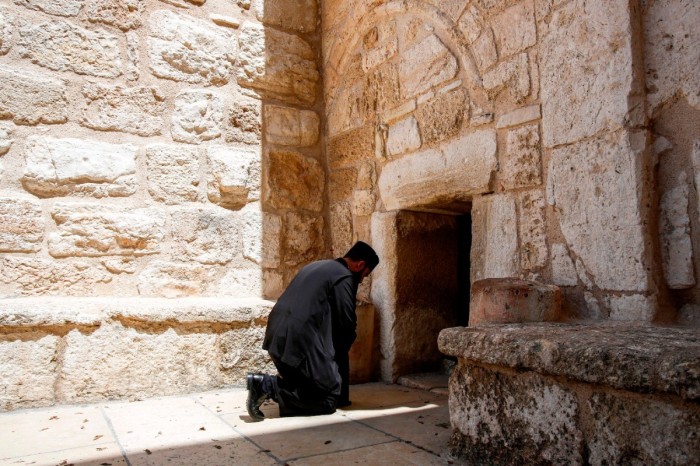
(361, 260)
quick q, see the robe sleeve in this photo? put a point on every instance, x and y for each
(344, 317)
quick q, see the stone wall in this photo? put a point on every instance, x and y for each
(152, 149)
(565, 128)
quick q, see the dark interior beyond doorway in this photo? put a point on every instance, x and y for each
(432, 286)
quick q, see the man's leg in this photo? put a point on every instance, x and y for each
(342, 359)
(299, 396)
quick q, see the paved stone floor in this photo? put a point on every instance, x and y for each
(386, 424)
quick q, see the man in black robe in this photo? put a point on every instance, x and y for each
(309, 334)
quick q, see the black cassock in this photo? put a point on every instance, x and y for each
(309, 333)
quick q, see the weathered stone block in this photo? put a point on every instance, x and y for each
(234, 176)
(136, 110)
(403, 137)
(302, 237)
(514, 29)
(123, 14)
(245, 121)
(538, 416)
(62, 46)
(241, 283)
(261, 236)
(26, 276)
(674, 231)
(519, 116)
(533, 230)
(133, 45)
(563, 269)
(241, 351)
(297, 15)
(61, 167)
(278, 64)
(6, 30)
(443, 116)
(291, 127)
(341, 184)
(636, 307)
(198, 116)
(511, 300)
(351, 147)
(21, 224)
(513, 75)
(484, 50)
(97, 230)
(341, 228)
(521, 159)
(471, 22)
(591, 183)
(5, 140)
(571, 84)
(53, 7)
(27, 99)
(494, 251)
(183, 48)
(172, 280)
(29, 372)
(205, 235)
(294, 181)
(173, 173)
(425, 65)
(462, 168)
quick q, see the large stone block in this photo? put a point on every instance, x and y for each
(21, 224)
(512, 75)
(671, 52)
(572, 83)
(28, 369)
(6, 30)
(494, 251)
(538, 416)
(302, 238)
(5, 140)
(510, 300)
(234, 176)
(241, 352)
(342, 182)
(351, 147)
(61, 167)
(198, 116)
(173, 280)
(244, 121)
(27, 99)
(521, 159)
(136, 110)
(442, 117)
(99, 230)
(277, 64)
(403, 136)
(123, 14)
(514, 29)
(133, 45)
(294, 181)
(563, 269)
(205, 235)
(287, 126)
(261, 232)
(63, 46)
(27, 276)
(674, 231)
(426, 64)
(53, 7)
(589, 184)
(240, 282)
(459, 169)
(173, 173)
(533, 230)
(183, 48)
(297, 15)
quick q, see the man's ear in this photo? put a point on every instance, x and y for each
(357, 266)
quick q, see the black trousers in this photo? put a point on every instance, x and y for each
(296, 394)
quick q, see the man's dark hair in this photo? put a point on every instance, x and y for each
(362, 251)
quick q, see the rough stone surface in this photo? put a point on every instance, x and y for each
(495, 252)
(563, 269)
(443, 116)
(205, 235)
(241, 282)
(532, 228)
(278, 64)
(592, 183)
(6, 30)
(514, 29)
(27, 99)
(341, 184)
(425, 65)
(63, 46)
(297, 15)
(511, 300)
(484, 49)
(261, 236)
(133, 44)
(234, 176)
(123, 14)
(634, 357)
(521, 161)
(538, 416)
(350, 147)
(173, 280)
(241, 350)
(426, 176)
(5, 140)
(571, 84)
(674, 231)
(294, 181)
(634, 307)
(173, 173)
(136, 110)
(519, 116)
(302, 238)
(513, 75)
(244, 121)
(198, 116)
(287, 126)
(21, 224)
(183, 48)
(403, 137)
(29, 371)
(53, 7)
(34, 276)
(97, 230)
(60, 167)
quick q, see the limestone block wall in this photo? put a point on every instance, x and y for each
(565, 128)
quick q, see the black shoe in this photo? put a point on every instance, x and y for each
(256, 396)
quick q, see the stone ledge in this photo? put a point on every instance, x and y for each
(23, 313)
(636, 357)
